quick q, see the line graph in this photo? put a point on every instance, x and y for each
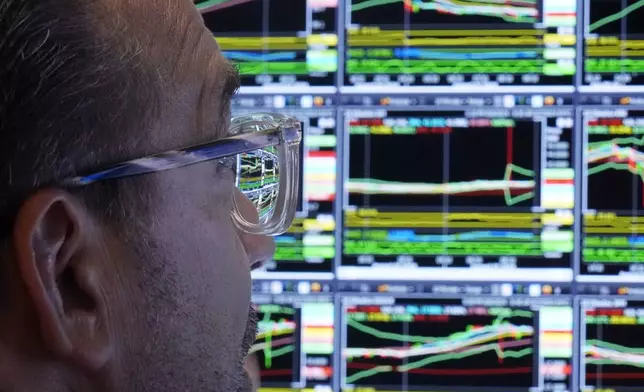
(268, 62)
(215, 5)
(510, 11)
(276, 41)
(447, 42)
(614, 161)
(409, 66)
(616, 16)
(605, 353)
(507, 179)
(465, 54)
(416, 243)
(616, 154)
(278, 345)
(613, 351)
(613, 42)
(246, 56)
(505, 187)
(436, 39)
(383, 346)
(418, 191)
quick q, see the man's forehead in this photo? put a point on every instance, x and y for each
(173, 30)
(177, 41)
(172, 21)
(154, 8)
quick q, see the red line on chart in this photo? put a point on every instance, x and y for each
(503, 345)
(614, 376)
(509, 149)
(471, 372)
(632, 165)
(561, 14)
(499, 357)
(281, 342)
(221, 6)
(490, 193)
(322, 154)
(452, 372)
(275, 372)
(499, 192)
(555, 181)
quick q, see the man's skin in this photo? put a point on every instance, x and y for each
(163, 306)
(253, 370)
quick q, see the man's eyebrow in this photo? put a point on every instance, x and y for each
(231, 83)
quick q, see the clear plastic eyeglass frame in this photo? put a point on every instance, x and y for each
(263, 150)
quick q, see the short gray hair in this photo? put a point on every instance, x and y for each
(71, 85)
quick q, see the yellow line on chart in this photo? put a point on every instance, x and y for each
(259, 46)
(281, 40)
(610, 230)
(415, 224)
(444, 215)
(429, 33)
(292, 43)
(471, 220)
(614, 52)
(616, 221)
(484, 41)
(633, 44)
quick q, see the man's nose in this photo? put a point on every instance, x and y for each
(260, 248)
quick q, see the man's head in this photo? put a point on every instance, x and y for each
(137, 284)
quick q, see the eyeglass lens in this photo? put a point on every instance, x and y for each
(258, 175)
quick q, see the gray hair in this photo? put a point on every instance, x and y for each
(70, 86)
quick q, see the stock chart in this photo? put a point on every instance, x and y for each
(462, 189)
(612, 243)
(278, 344)
(294, 343)
(472, 192)
(277, 42)
(614, 41)
(454, 42)
(421, 344)
(612, 352)
(309, 244)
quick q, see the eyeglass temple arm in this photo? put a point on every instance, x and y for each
(174, 159)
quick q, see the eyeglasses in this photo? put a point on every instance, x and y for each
(263, 151)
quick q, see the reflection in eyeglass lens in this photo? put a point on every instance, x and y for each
(258, 178)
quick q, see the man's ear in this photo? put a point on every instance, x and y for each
(59, 259)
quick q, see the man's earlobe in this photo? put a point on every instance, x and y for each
(59, 260)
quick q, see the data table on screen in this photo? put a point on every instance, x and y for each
(480, 191)
(454, 43)
(456, 344)
(278, 43)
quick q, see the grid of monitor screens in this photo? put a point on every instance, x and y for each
(323, 336)
(389, 45)
(458, 242)
(532, 187)
(472, 192)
